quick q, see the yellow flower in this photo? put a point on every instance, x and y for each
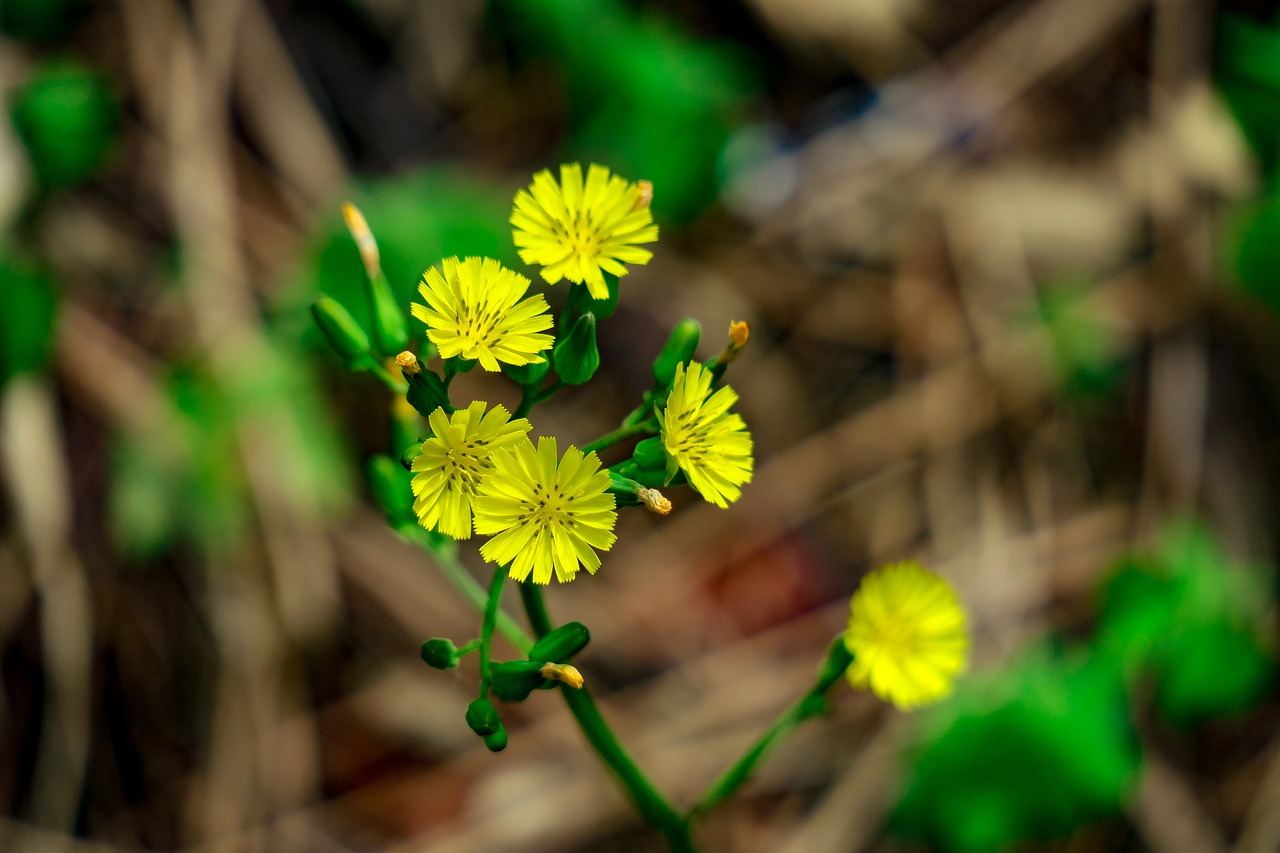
(575, 230)
(545, 516)
(474, 310)
(906, 634)
(701, 436)
(455, 460)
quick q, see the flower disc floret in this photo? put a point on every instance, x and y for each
(580, 230)
(707, 441)
(474, 309)
(545, 517)
(455, 460)
(906, 634)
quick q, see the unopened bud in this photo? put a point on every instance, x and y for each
(564, 672)
(439, 653)
(561, 644)
(360, 232)
(576, 355)
(496, 741)
(408, 362)
(644, 194)
(678, 349)
(342, 331)
(654, 501)
(482, 717)
(739, 334)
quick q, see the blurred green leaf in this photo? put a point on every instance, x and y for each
(28, 304)
(1190, 617)
(1034, 753)
(67, 118)
(647, 100)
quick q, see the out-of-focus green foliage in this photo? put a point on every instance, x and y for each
(645, 97)
(1085, 352)
(419, 219)
(1189, 619)
(1248, 75)
(1045, 748)
(40, 20)
(189, 480)
(28, 303)
(67, 118)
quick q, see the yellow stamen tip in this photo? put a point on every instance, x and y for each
(563, 672)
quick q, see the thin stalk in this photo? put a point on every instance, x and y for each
(812, 704)
(470, 589)
(486, 627)
(396, 385)
(622, 433)
(653, 807)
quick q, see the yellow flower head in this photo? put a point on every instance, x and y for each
(575, 230)
(906, 634)
(455, 460)
(545, 516)
(474, 310)
(708, 442)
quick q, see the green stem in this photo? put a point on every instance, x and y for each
(812, 704)
(622, 433)
(470, 589)
(653, 807)
(396, 385)
(486, 627)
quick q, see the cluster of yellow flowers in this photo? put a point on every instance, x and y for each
(548, 514)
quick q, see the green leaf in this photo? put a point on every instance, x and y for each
(28, 305)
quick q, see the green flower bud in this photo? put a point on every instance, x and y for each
(527, 374)
(496, 741)
(679, 349)
(483, 717)
(561, 644)
(426, 392)
(390, 332)
(576, 355)
(390, 485)
(340, 329)
(514, 680)
(439, 653)
(412, 452)
(650, 455)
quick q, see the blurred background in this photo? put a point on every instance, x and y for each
(1012, 269)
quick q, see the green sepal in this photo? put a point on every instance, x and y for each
(427, 393)
(458, 364)
(514, 680)
(625, 468)
(833, 665)
(390, 486)
(678, 349)
(527, 374)
(561, 644)
(483, 717)
(603, 308)
(390, 332)
(650, 454)
(672, 468)
(496, 741)
(341, 330)
(412, 452)
(439, 653)
(576, 355)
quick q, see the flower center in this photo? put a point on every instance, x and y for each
(579, 233)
